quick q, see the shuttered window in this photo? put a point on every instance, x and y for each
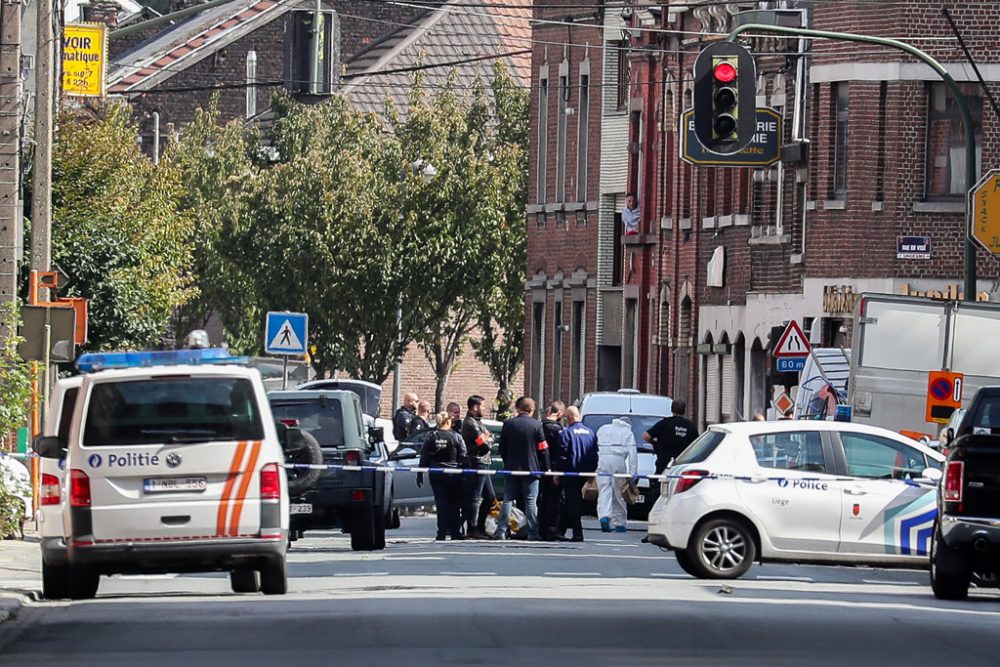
(712, 389)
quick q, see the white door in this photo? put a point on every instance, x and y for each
(882, 512)
(793, 496)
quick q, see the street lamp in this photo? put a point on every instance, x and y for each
(425, 170)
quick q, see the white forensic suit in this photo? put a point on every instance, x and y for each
(617, 454)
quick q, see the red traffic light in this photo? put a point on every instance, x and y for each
(724, 72)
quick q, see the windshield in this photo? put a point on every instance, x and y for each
(640, 424)
(177, 409)
(321, 418)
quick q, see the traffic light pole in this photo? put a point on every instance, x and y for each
(970, 132)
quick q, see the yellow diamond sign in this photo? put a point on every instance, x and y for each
(984, 202)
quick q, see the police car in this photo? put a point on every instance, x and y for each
(797, 491)
(173, 468)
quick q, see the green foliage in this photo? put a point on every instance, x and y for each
(117, 230)
(11, 513)
(15, 374)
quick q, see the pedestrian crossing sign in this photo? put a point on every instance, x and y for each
(286, 333)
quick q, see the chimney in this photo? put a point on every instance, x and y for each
(102, 11)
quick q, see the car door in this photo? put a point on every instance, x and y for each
(884, 510)
(793, 493)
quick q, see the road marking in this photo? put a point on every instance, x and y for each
(468, 574)
(891, 583)
(669, 575)
(413, 558)
(144, 577)
(361, 574)
(778, 577)
(572, 574)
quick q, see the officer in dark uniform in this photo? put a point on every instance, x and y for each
(479, 489)
(671, 435)
(549, 492)
(445, 449)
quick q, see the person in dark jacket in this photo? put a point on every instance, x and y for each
(404, 415)
(671, 435)
(445, 449)
(423, 419)
(479, 489)
(523, 448)
(578, 453)
(549, 493)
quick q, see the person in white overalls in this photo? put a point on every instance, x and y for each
(617, 454)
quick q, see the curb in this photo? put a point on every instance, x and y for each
(12, 601)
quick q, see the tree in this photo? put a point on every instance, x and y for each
(117, 231)
(500, 307)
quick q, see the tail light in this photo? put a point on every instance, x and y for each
(270, 482)
(50, 489)
(688, 479)
(358, 495)
(953, 478)
(352, 457)
(79, 489)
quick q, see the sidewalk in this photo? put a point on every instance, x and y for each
(20, 573)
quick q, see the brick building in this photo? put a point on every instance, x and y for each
(873, 152)
(172, 69)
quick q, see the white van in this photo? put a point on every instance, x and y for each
(643, 410)
(171, 469)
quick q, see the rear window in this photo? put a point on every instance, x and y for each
(701, 448)
(172, 410)
(640, 424)
(986, 418)
(322, 418)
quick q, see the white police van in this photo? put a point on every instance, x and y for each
(172, 468)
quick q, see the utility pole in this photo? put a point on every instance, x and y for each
(41, 183)
(10, 147)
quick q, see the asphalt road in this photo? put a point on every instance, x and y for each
(608, 601)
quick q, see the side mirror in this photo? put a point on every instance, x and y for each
(403, 453)
(932, 475)
(49, 447)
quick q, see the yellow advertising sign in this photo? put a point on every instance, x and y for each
(985, 204)
(84, 59)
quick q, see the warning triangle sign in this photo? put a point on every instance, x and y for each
(793, 342)
(286, 339)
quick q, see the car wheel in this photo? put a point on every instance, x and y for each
(55, 581)
(244, 580)
(950, 572)
(83, 582)
(363, 530)
(685, 561)
(274, 576)
(722, 549)
(392, 521)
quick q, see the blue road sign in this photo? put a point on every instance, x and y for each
(791, 364)
(286, 333)
(764, 148)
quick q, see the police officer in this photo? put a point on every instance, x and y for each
(479, 489)
(549, 493)
(445, 449)
(404, 415)
(671, 435)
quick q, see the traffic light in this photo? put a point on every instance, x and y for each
(725, 97)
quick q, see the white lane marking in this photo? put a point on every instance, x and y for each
(413, 558)
(361, 574)
(778, 577)
(891, 583)
(668, 575)
(147, 577)
(572, 574)
(469, 574)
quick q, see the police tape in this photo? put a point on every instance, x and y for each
(782, 480)
(19, 455)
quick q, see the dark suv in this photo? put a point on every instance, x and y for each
(357, 501)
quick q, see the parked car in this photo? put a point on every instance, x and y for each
(797, 491)
(966, 543)
(643, 410)
(407, 455)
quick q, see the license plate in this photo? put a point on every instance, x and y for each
(643, 483)
(174, 484)
(300, 508)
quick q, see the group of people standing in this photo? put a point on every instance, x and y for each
(560, 441)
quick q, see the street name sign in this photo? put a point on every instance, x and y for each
(984, 205)
(286, 333)
(764, 148)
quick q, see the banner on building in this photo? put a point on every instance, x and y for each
(84, 59)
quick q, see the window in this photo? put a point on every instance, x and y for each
(66, 415)
(701, 448)
(795, 450)
(945, 163)
(172, 410)
(561, 123)
(537, 378)
(880, 458)
(841, 95)
(543, 137)
(623, 76)
(640, 424)
(321, 418)
(883, 94)
(582, 138)
(251, 79)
